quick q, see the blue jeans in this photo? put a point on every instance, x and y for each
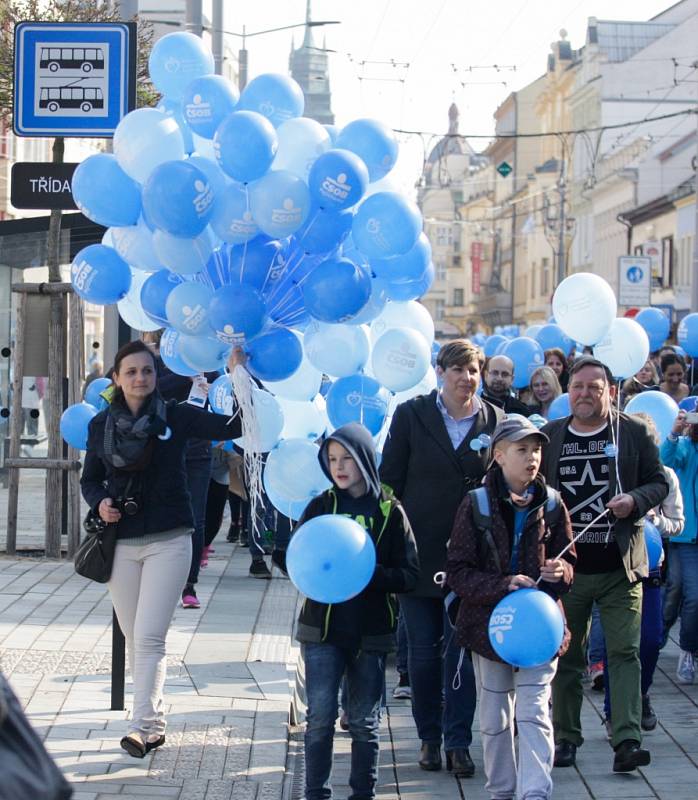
(198, 478)
(683, 566)
(325, 664)
(401, 654)
(433, 657)
(597, 646)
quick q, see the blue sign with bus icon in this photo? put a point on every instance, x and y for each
(73, 79)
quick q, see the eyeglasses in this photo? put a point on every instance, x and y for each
(495, 373)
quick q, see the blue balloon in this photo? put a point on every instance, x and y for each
(374, 306)
(202, 353)
(187, 308)
(409, 267)
(232, 219)
(93, 393)
(206, 102)
(217, 180)
(653, 540)
(527, 356)
(220, 396)
(338, 180)
(526, 628)
(560, 407)
(687, 334)
(373, 142)
(358, 398)
(274, 355)
(403, 291)
(333, 131)
(689, 403)
(105, 193)
(155, 292)
(293, 509)
(330, 558)
(177, 59)
(259, 264)
(656, 325)
(386, 225)
(280, 203)
(662, 408)
(285, 300)
(170, 354)
(245, 145)
(552, 335)
(178, 198)
(173, 108)
(336, 291)
(99, 275)
(237, 313)
(183, 255)
(74, 423)
(277, 97)
(293, 470)
(323, 231)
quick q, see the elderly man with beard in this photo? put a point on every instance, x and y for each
(603, 461)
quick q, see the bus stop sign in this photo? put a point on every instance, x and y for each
(73, 78)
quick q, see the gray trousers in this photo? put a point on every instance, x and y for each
(502, 692)
(146, 583)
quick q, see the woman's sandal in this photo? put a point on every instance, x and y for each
(134, 746)
(154, 744)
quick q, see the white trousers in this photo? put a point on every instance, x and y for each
(502, 693)
(145, 585)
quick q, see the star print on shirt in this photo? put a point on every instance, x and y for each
(593, 500)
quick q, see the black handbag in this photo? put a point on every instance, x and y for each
(95, 556)
(27, 769)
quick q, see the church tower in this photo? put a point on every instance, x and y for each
(309, 67)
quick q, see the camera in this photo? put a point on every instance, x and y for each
(127, 505)
(691, 417)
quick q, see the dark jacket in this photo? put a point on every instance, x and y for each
(472, 572)
(397, 569)
(641, 475)
(430, 478)
(161, 488)
(508, 404)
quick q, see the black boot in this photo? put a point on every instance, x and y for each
(630, 756)
(459, 762)
(649, 718)
(565, 754)
(430, 756)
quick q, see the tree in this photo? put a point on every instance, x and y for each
(13, 11)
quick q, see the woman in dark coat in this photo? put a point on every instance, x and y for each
(432, 457)
(134, 477)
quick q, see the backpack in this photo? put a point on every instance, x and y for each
(482, 517)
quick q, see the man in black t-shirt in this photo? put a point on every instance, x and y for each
(607, 468)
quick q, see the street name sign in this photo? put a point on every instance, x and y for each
(42, 185)
(72, 78)
(634, 280)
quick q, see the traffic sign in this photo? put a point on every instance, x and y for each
(73, 78)
(634, 280)
(504, 169)
(42, 185)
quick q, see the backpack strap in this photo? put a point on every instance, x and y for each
(483, 522)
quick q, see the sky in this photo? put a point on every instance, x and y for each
(406, 61)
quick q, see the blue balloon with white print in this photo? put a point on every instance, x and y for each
(280, 203)
(170, 353)
(277, 97)
(176, 59)
(206, 102)
(237, 313)
(358, 398)
(178, 199)
(154, 294)
(374, 142)
(99, 275)
(338, 179)
(187, 308)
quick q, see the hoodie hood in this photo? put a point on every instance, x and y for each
(358, 442)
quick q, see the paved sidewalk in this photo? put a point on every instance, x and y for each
(231, 677)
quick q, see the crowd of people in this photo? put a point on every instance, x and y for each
(474, 498)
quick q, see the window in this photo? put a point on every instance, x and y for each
(457, 297)
(545, 277)
(667, 277)
(441, 272)
(533, 281)
(439, 311)
(456, 261)
(444, 236)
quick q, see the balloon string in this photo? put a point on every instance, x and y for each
(581, 533)
(288, 297)
(244, 249)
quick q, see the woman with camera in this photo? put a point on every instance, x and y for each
(134, 478)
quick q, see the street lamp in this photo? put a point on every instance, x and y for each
(242, 53)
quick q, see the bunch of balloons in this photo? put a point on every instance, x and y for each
(235, 220)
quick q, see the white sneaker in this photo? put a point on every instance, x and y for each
(686, 669)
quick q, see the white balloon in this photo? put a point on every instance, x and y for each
(134, 244)
(144, 139)
(400, 359)
(425, 386)
(184, 256)
(335, 349)
(303, 419)
(304, 384)
(130, 308)
(625, 348)
(403, 315)
(584, 306)
(270, 422)
(301, 141)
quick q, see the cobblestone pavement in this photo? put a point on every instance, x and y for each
(230, 680)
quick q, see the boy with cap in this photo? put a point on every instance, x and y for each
(353, 638)
(526, 527)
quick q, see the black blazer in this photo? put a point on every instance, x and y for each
(430, 478)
